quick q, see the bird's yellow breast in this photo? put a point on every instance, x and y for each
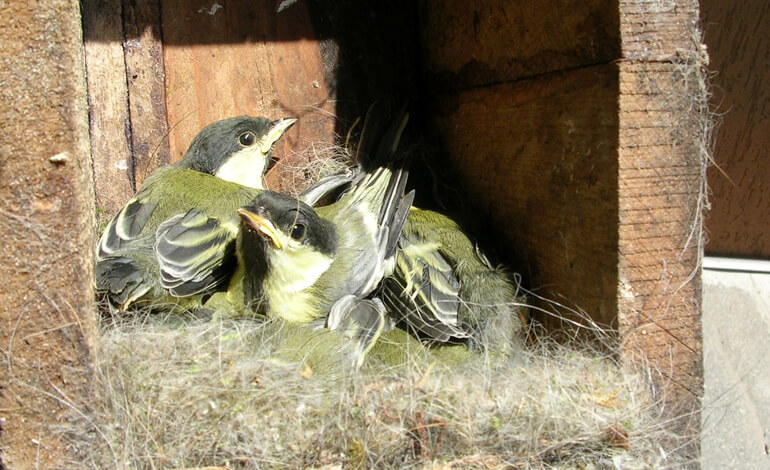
(290, 281)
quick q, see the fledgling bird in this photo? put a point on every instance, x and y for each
(175, 240)
(444, 290)
(303, 264)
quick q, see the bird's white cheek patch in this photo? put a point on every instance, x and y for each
(246, 167)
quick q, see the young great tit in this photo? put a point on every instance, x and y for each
(303, 264)
(176, 238)
(444, 290)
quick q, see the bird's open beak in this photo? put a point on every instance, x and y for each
(277, 129)
(261, 225)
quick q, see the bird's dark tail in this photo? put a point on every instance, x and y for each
(120, 281)
(384, 124)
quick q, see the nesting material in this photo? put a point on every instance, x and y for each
(186, 392)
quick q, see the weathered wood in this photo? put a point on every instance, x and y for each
(599, 204)
(237, 59)
(481, 43)
(658, 267)
(537, 161)
(146, 86)
(739, 47)
(108, 104)
(47, 310)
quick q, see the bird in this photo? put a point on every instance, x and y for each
(307, 265)
(445, 290)
(174, 242)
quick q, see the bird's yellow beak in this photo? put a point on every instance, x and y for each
(277, 129)
(260, 224)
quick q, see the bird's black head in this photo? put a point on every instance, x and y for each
(286, 223)
(236, 149)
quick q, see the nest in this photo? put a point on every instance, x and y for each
(186, 392)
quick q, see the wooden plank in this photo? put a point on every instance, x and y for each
(739, 48)
(480, 43)
(537, 162)
(146, 86)
(245, 58)
(658, 269)
(47, 308)
(108, 105)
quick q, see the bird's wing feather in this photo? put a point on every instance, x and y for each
(361, 320)
(397, 223)
(124, 263)
(196, 253)
(125, 229)
(423, 291)
(326, 187)
(371, 215)
(122, 279)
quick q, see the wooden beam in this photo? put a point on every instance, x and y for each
(47, 308)
(661, 184)
(108, 104)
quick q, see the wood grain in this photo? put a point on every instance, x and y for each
(146, 86)
(661, 181)
(480, 43)
(47, 312)
(245, 58)
(537, 159)
(591, 179)
(108, 104)
(739, 47)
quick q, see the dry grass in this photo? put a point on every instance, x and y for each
(181, 392)
(300, 169)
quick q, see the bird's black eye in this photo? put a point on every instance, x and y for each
(298, 232)
(247, 139)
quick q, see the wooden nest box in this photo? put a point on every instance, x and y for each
(567, 128)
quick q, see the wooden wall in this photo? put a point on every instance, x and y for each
(47, 308)
(528, 114)
(739, 47)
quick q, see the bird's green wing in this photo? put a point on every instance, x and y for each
(423, 292)
(125, 229)
(196, 253)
